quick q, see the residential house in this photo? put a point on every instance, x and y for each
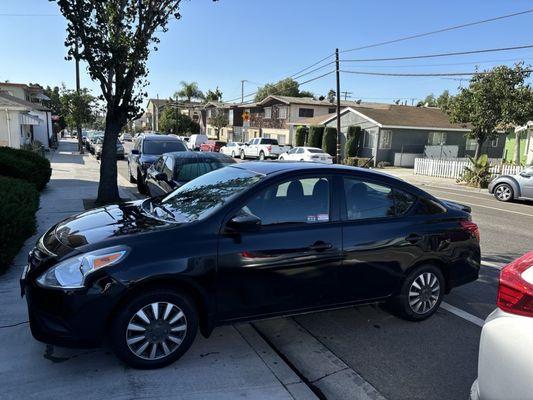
(149, 121)
(25, 118)
(399, 133)
(526, 145)
(214, 108)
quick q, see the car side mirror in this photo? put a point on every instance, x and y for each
(245, 223)
(134, 151)
(161, 176)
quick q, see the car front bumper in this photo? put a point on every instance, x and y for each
(70, 318)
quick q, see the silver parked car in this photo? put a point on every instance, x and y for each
(513, 187)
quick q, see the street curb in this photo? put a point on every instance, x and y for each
(323, 369)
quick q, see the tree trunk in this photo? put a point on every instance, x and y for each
(80, 142)
(108, 188)
(479, 143)
(517, 148)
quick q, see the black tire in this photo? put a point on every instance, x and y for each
(141, 187)
(132, 178)
(233, 154)
(504, 192)
(243, 156)
(281, 159)
(403, 305)
(262, 156)
(119, 331)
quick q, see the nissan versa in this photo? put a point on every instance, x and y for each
(244, 242)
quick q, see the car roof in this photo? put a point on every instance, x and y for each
(197, 155)
(156, 137)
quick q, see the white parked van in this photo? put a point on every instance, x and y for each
(196, 141)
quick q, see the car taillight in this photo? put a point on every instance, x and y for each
(471, 227)
(515, 291)
(269, 148)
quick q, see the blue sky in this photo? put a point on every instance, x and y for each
(218, 44)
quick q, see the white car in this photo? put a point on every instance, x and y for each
(307, 154)
(126, 137)
(505, 367)
(232, 149)
(262, 148)
(196, 141)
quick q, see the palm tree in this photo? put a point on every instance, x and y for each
(189, 91)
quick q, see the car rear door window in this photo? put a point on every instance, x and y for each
(304, 200)
(366, 200)
(188, 172)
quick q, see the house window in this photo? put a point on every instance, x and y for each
(332, 110)
(385, 139)
(494, 142)
(306, 112)
(470, 144)
(281, 139)
(436, 138)
(369, 141)
(283, 113)
(268, 112)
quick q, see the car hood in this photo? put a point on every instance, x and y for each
(149, 158)
(103, 223)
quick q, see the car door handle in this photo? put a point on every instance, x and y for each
(413, 238)
(320, 246)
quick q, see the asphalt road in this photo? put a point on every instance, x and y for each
(434, 359)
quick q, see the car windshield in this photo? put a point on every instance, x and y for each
(316, 151)
(162, 146)
(204, 195)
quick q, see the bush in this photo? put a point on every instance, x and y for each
(478, 173)
(352, 144)
(301, 134)
(315, 136)
(329, 141)
(26, 165)
(18, 204)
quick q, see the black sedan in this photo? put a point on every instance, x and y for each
(243, 242)
(173, 170)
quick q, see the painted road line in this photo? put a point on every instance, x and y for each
(489, 207)
(462, 314)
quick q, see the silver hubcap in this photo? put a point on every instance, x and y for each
(156, 330)
(424, 293)
(503, 192)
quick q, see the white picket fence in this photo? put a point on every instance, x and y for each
(454, 169)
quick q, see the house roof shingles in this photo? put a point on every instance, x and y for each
(22, 103)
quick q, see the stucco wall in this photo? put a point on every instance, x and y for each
(14, 128)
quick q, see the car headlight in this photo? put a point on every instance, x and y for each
(71, 273)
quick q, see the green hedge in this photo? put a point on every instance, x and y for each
(301, 133)
(329, 141)
(18, 204)
(315, 136)
(352, 144)
(26, 165)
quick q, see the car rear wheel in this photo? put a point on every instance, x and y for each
(233, 154)
(262, 156)
(281, 159)
(154, 329)
(503, 192)
(421, 293)
(243, 156)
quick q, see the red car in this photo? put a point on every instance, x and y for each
(212, 145)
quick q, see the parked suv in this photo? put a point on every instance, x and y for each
(146, 150)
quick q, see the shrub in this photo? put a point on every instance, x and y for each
(26, 165)
(301, 134)
(358, 162)
(329, 141)
(315, 136)
(478, 173)
(18, 205)
(352, 144)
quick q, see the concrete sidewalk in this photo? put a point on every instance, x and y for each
(233, 363)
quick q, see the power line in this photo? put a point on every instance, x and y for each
(29, 15)
(435, 55)
(313, 70)
(445, 64)
(420, 74)
(450, 28)
(312, 65)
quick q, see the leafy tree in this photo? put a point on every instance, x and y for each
(352, 144)
(329, 141)
(114, 38)
(444, 100)
(301, 135)
(315, 136)
(77, 109)
(494, 99)
(189, 91)
(55, 105)
(332, 96)
(173, 121)
(213, 95)
(429, 101)
(219, 121)
(285, 87)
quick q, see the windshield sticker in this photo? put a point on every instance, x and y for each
(322, 217)
(311, 218)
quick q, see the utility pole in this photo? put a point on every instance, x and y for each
(337, 74)
(346, 94)
(78, 125)
(242, 90)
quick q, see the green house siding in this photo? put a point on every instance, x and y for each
(509, 151)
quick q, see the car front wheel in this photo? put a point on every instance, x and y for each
(503, 192)
(141, 186)
(261, 156)
(421, 293)
(243, 156)
(233, 154)
(154, 329)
